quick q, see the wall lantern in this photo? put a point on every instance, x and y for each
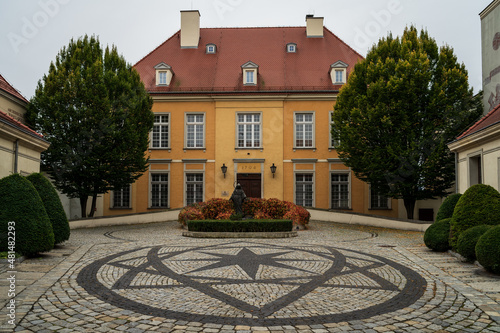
(224, 169)
(273, 169)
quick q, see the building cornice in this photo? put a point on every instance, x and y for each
(253, 97)
(28, 139)
(494, 4)
(13, 98)
(486, 135)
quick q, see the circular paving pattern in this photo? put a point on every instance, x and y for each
(252, 283)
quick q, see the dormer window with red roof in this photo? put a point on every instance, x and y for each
(211, 49)
(250, 73)
(164, 74)
(338, 72)
(291, 48)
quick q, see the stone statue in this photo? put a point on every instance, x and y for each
(237, 198)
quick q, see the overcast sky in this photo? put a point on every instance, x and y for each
(33, 31)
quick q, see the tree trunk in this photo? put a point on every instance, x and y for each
(410, 206)
(92, 207)
(83, 206)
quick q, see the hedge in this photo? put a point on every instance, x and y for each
(22, 205)
(240, 226)
(480, 204)
(53, 206)
(488, 250)
(436, 237)
(447, 207)
(466, 244)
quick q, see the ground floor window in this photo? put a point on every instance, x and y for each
(378, 200)
(304, 189)
(194, 188)
(121, 198)
(159, 190)
(340, 190)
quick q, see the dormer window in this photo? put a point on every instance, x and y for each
(249, 73)
(338, 72)
(211, 49)
(291, 48)
(164, 74)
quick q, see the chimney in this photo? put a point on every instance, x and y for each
(190, 29)
(314, 26)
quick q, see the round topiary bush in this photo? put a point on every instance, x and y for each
(447, 207)
(436, 237)
(22, 205)
(53, 206)
(488, 250)
(480, 204)
(466, 244)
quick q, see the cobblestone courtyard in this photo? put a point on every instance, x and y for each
(331, 278)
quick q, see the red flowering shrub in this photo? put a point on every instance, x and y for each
(261, 215)
(275, 208)
(252, 205)
(298, 214)
(224, 216)
(192, 212)
(215, 206)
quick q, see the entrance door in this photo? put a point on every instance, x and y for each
(250, 183)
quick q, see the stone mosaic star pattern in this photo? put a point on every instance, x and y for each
(252, 283)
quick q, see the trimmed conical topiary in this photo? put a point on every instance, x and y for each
(53, 206)
(480, 204)
(21, 204)
(447, 207)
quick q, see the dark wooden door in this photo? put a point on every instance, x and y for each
(250, 183)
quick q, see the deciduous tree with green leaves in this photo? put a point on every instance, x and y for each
(397, 112)
(96, 113)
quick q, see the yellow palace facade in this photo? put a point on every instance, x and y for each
(250, 106)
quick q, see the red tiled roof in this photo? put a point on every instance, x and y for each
(5, 86)
(5, 118)
(492, 118)
(194, 70)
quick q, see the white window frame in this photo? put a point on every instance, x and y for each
(339, 75)
(247, 73)
(193, 172)
(245, 124)
(211, 49)
(313, 183)
(295, 123)
(370, 193)
(291, 48)
(161, 124)
(341, 68)
(196, 124)
(158, 172)
(349, 203)
(113, 202)
(164, 74)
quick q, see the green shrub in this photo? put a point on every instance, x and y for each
(480, 204)
(466, 244)
(240, 226)
(447, 207)
(21, 204)
(53, 206)
(488, 250)
(436, 236)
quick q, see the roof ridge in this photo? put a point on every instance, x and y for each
(340, 39)
(156, 48)
(20, 96)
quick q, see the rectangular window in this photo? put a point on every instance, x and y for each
(378, 201)
(304, 189)
(249, 130)
(249, 77)
(195, 131)
(159, 190)
(161, 130)
(340, 190)
(163, 78)
(475, 170)
(333, 143)
(121, 198)
(304, 130)
(194, 188)
(339, 76)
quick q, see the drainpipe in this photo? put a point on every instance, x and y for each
(16, 154)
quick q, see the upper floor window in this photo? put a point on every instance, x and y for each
(250, 71)
(195, 130)
(211, 48)
(338, 72)
(249, 130)
(291, 47)
(304, 130)
(161, 131)
(164, 74)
